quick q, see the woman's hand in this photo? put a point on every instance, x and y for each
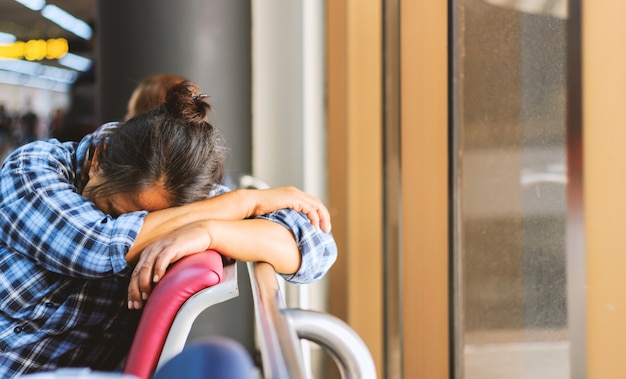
(156, 258)
(273, 199)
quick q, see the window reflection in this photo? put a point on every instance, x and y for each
(509, 121)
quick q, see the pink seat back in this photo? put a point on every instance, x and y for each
(182, 280)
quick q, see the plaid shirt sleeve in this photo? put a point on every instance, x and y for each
(318, 249)
(45, 218)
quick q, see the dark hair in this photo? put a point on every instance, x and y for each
(173, 144)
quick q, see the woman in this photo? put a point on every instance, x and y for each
(89, 227)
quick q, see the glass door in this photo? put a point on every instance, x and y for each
(509, 185)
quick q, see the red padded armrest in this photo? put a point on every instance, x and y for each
(186, 277)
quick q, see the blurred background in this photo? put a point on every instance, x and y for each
(53, 73)
(446, 138)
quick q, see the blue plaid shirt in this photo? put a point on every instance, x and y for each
(63, 272)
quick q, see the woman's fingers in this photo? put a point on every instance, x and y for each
(324, 217)
(317, 214)
(291, 197)
(140, 284)
(162, 262)
(157, 257)
(314, 216)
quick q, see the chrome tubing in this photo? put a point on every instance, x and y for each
(281, 352)
(348, 349)
(279, 330)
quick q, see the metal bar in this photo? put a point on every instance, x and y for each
(346, 347)
(280, 347)
(280, 329)
(575, 234)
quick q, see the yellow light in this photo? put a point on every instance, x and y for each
(14, 50)
(56, 48)
(35, 50)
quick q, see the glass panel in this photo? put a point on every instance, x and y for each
(510, 217)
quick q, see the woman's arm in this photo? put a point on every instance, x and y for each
(318, 250)
(235, 205)
(285, 238)
(250, 240)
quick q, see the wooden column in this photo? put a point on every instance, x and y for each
(355, 165)
(424, 83)
(604, 120)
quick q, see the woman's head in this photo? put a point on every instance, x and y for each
(172, 151)
(150, 93)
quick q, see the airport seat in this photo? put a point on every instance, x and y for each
(190, 286)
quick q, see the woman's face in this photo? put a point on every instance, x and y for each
(150, 199)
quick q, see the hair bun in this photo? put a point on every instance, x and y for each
(186, 101)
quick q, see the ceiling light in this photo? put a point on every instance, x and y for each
(39, 70)
(67, 21)
(17, 79)
(35, 5)
(75, 61)
(7, 38)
